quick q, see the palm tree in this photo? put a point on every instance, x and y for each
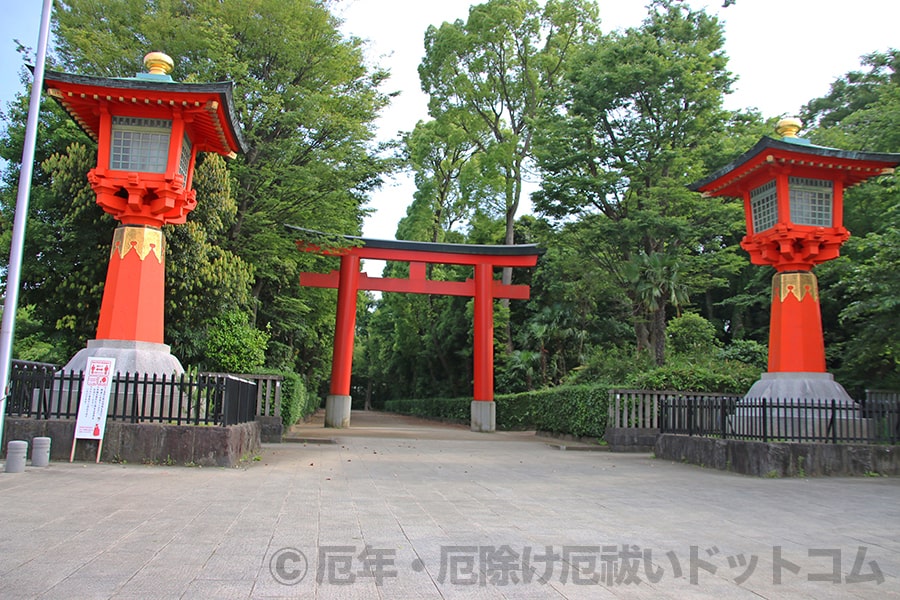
(656, 282)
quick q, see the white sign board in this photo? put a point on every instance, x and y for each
(94, 403)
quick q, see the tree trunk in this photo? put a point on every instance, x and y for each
(641, 330)
(514, 194)
(658, 336)
(736, 329)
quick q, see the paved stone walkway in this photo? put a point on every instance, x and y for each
(441, 512)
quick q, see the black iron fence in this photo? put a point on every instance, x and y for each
(640, 409)
(38, 391)
(877, 420)
(268, 391)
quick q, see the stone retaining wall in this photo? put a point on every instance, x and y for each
(150, 443)
(780, 459)
(631, 439)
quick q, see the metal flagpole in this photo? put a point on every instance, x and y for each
(18, 237)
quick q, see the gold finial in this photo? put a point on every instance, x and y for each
(159, 63)
(789, 127)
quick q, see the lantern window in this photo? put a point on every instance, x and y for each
(764, 206)
(811, 201)
(185, 162)
(140, 144)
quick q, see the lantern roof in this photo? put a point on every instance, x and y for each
(849, 166)
(209, 106)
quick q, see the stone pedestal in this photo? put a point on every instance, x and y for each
(131, 357)
(804, 406)
(484, 416)
(337, 411)
(799, 386)
(143, 359)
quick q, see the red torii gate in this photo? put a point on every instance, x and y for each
(349, 280)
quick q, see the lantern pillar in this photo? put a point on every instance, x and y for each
(132, 306)
(796, 342)
(130, 327)
(796, 367)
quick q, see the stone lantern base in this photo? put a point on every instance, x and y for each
(143, 359)
(798, 406)
(131, 357)
(799, 387)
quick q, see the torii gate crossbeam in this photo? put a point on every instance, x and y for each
(484, 288)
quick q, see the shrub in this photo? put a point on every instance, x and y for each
(579, 410)
(696, 375)
(609, 365)
(748, 352)
(447, 409)
(691, 334)
(235, 346)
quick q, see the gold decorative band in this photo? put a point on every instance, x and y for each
(798, 285)
(143, 240)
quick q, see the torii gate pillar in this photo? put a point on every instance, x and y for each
(484, 288)
(484, 411)
(337, 403)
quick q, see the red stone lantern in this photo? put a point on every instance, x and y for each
(148, 130)
(793, 194)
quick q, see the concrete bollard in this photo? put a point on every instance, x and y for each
(40, 452)
(15, 456)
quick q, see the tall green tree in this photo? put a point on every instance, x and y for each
(860, 290)
(441, 156)
(644, 118)
(656, 283)
(495, 73)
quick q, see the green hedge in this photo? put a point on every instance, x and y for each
(296, 401)
(579, 410)
(446, 409)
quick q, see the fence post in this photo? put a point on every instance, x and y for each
(262, 397)
(765, 421)
(661, 420)
(134, 395)
(613, 409)
(228, 401)
(833, 423)
(277, 398)
(723, 415)
(690, 416)
(895, 419)
(654, 423)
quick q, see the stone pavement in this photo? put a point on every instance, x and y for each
(441, 512)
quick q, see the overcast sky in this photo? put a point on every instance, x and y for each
(784, 53)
